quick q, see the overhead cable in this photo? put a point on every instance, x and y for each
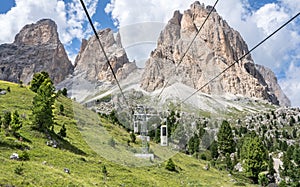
(102, 49)
(252, 49)
(190, 45)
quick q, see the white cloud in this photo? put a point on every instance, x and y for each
(254, 25)
(69, 16)
(291, 84)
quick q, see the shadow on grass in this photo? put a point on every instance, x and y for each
(13, 144)
(64, 144)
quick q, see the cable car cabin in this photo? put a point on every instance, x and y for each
(164, 135)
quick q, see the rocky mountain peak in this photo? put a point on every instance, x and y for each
(36, 48)
(216, 46)
(91, 62)
(42, 32)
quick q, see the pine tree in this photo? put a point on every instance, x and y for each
(226, 143)
(193, 144)
(37, 80)
(254, 155)
(15, 122)
(42, 106)
(214, 150)
(6, 119)
(172, 122)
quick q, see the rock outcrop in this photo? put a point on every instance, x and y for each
(215, 48)
(273, 85)
(91, 63)
(36, 48)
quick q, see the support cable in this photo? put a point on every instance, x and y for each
(237, 61)
(190, 45)
(102, 50)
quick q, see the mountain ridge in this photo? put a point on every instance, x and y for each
(215, 48)
(36, 48)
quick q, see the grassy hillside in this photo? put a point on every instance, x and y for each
(82, 152)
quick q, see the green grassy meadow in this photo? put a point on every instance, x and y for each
(85, 151)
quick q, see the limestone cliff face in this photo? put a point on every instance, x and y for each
(36, 48)
(273, 85)
(91, 63)
(214, 49)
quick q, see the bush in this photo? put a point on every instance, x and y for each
(262, 179)
(19, 170)
(112, 142)
(63, 131)
(64, 92)
(203, 156)
(132, 137)
(61, 109)
(104, 172)
(170, 165)
(24, 156)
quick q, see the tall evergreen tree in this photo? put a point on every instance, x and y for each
(193, 144)
(214, 149)
(6, 119)
(42, 105)
(226, 143)
(254, 156)
(15, 122)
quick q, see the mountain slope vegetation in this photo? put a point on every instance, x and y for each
(69, 161)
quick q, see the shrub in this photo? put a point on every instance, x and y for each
(262, 179)
(64, 92)
(203, 156)
(61, 109)
(112, 142)
(170, 165)
(63, 131)
(24, 156)
(19, 170)
(132, 137)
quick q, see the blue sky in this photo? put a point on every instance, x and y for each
(254, 19)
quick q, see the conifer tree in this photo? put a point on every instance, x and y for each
(15, 122)
(6, 119)
(37, 80)
(42, 105)
(214, 149)
(226, 143)
(254, 156)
